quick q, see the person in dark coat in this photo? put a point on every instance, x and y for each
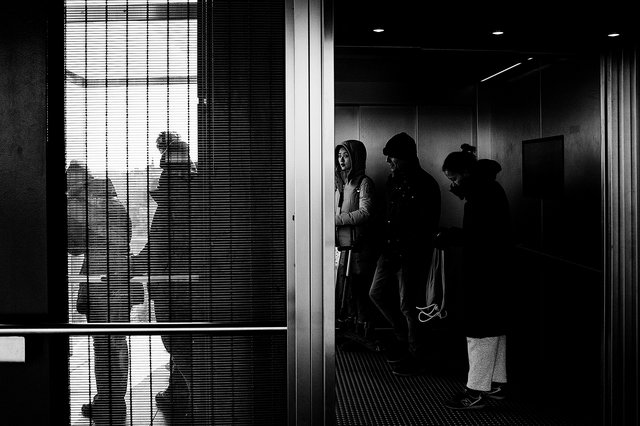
(99, 227)
(354, 220)
(486, 243)
(166, 256)
(411, 222)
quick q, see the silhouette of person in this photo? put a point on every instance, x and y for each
(354, 207)
(99, 227)
(168, 253)
(486, 243)
(399, 283)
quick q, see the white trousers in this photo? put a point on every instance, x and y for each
(487, 362)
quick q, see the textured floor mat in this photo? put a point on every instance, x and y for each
(369, 394)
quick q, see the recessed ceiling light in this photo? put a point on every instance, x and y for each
(497, 32)
(378, 30)
(613, 35)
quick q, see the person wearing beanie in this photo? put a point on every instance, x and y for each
(168, 252)
(411, 222)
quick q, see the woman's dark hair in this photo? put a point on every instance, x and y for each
(460, 161)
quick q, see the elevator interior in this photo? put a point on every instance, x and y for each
(442, 75)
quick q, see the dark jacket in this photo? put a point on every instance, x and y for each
(354, 204)
(168, 249)
(487, 249)
(99, 227)
(413, 213)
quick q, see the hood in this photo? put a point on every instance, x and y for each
(357, 153)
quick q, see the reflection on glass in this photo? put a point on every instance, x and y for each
(198, 246)
(130, 76)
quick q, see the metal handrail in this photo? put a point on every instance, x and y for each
(137, 328)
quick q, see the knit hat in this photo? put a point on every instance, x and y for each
(401, 146)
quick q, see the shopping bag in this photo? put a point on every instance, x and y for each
(436, 286)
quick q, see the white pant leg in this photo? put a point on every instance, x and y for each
(482, 359)
(500, 367)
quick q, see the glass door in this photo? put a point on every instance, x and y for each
(175, 167)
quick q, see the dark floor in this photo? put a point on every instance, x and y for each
(368, 393)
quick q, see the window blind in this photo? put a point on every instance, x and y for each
(174, 141)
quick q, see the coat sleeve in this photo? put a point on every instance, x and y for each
(76, 228)
(365, 206)
(427, 217)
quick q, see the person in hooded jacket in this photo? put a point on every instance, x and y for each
(399, 283)
(486, 244)
(354, 218)
(99, 227)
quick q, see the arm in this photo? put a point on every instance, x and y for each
(365, 206)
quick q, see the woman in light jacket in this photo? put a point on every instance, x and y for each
(354, 216)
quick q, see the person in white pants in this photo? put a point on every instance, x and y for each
(486, 243)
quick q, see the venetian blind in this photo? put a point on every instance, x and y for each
(174, 135)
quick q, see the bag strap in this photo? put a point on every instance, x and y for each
(434, 310)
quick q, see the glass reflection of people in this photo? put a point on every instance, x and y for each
(399, 284)
(167, 253)
(485, 239)
(354, 206)
(99, 227)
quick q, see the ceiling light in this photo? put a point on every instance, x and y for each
(497, 32)
(500, 72)
(613, 35)
(378, 30)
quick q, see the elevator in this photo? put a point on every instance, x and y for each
(577, 253)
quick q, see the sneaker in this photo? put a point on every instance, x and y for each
(394, 355)
(103, 414)
(351, 346)
(497, 391)
(467, 400)
(408, 368)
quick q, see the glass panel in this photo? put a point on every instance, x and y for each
(175, 205)
(236, 379)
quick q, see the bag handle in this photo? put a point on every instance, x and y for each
(434, 310)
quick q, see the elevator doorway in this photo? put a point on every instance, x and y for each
(494, 94)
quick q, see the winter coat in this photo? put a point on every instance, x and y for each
(487, 250)
(99, 227)
(354, 204)
(168, 249)
(413, 214)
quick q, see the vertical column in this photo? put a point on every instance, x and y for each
(309, 112)
(621, 165)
